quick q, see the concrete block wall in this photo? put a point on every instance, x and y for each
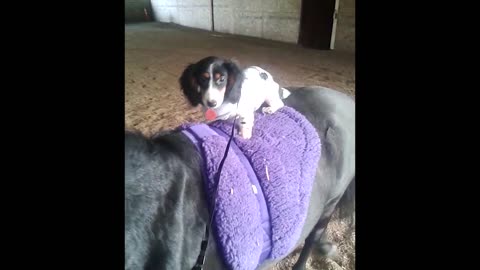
(268, 19)
(191, 13)
(345, 36)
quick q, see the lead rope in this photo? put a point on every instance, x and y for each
(201, 257)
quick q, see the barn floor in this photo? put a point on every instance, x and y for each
(156, 54)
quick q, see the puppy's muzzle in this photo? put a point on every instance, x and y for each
(211, 103)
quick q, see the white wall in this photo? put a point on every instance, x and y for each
(268, 19)
(345, 36)
(191, 13)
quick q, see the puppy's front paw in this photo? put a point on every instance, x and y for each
(268, 110)
(246, 132)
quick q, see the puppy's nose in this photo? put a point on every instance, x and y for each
(211, 103)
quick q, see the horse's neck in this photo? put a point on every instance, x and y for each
(182, 215)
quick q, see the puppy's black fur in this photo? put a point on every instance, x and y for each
(194, 85)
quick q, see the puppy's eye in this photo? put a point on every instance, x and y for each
(222, 79)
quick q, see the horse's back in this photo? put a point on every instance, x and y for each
(332, 113)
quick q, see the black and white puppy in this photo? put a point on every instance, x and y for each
(219, 85)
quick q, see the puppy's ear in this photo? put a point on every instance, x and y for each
(235, 61)
(234, 81)
(189, 85)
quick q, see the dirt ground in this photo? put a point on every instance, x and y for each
(156, 54)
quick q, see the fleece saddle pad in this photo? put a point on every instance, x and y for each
(264, 186)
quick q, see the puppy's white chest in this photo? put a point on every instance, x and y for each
(226, 111)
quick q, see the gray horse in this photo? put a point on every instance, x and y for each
(165, 208)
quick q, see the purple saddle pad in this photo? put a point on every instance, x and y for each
(265, 184)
